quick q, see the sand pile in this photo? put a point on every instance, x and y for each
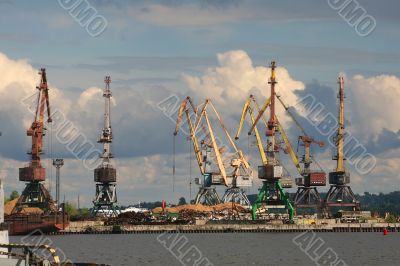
(230, 206)
(32, 210)
(9, 206)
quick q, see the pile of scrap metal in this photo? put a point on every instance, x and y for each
(128, 218)
(191, 212)
(189, 216)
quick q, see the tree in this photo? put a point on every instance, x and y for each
(70, 208)
(14, 195)
(391, 218)
(182, 201)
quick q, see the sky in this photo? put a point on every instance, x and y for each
(159, 52)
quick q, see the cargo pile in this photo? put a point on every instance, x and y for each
(202, 208)
(128, 218)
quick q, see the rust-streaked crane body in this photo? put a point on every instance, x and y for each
(340, 193)
(35, 194)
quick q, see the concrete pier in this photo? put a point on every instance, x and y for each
(100, 228)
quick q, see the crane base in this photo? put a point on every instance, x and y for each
(340, 196)
(35, 195)
(207, 196)
(236, 195)
(105, 202)
(272, 194)
(307, 197)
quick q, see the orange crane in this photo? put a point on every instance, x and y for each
(35, 194)
(340, 193)
(208, 152)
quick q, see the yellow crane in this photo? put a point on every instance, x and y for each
(340, 193)
(241, 175)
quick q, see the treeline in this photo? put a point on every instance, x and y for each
(381, 203)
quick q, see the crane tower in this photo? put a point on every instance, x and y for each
(307, 195)
(272, 194)
(34, 175)
(340, 193)
(105, 175)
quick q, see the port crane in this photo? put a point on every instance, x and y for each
(35, 193)
(105, 175)
(285, 182)
(340, 193)
(307, 195)
(272, 193)
(208, 152)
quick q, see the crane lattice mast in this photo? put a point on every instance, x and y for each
(105, 175)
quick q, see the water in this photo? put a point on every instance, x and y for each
(229, 249)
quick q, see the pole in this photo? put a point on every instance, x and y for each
(58, 185)
(58, 163)
(79, 205)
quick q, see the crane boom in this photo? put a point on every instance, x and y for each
(292, 116)
(37, 129)
(292, 154)
(184, 108)
(247, 109)
(223, 127)
(340, 134)
(216, 149)
(306, 139)
(196, 145)
(194, 125)
(260, 114)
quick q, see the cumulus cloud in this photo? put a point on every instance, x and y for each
(91, 94)
(374, 104)
(17, 93)
(229, 84)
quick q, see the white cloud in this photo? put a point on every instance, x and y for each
(374, 104)
(229, 84)
(18, 82)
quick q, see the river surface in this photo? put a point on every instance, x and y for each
(229, 248)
